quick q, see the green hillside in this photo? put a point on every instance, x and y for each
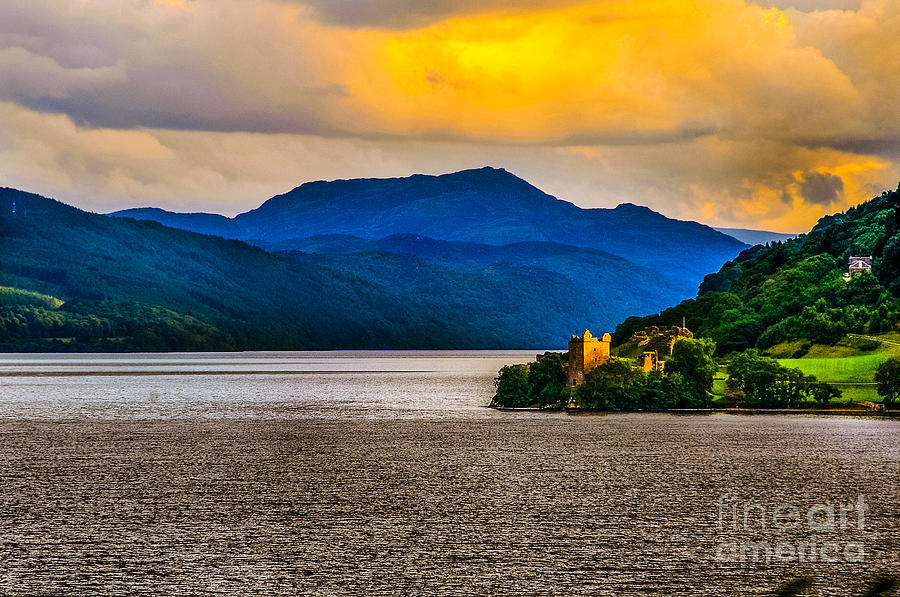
(795, 291)
(16, 297)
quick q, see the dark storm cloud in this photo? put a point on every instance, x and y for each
(181, 105)
(170, 96)
(821, 188)
(402, 14)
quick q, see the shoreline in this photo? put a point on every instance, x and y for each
(728, 411)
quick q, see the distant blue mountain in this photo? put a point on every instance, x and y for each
(202, 223)
(604, 287)
(486, 206)
(756, 237)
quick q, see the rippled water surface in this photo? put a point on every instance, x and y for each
(384, 474)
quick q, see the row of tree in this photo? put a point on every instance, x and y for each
(85, 325)
(765, 383)
(686, 383)
(615, 385)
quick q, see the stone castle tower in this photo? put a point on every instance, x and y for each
(585, 353)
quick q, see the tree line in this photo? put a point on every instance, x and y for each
(617, 384)
(685, 383)
(765, 383)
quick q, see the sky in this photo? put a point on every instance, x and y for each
(761, 115)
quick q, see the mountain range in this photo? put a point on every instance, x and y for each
(486, 206)
(474, 259)
(757, 237)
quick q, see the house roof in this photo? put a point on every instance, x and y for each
(860, 262)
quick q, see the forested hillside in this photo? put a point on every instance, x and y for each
(795, 290)
(121, 284)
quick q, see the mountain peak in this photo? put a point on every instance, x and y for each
(486, 205)
(484, 170)
(626, 207)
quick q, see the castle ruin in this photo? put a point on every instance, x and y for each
(661, 341)
(585, 353)
(650, 361)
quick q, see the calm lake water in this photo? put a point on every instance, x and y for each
(384, 474)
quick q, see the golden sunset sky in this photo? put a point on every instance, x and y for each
(761, 115)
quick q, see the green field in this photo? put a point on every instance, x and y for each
(858, 392)
(850, 365)
(857, 369)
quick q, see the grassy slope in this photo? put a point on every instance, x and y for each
(850, 364)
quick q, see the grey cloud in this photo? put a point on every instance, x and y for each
(403, 14)
(67, 37)
(105, 67)
(158, 96)
(27, 75)
(686, 131)
(821, 188)
(812, 5)
(178, 102)
(888, 146)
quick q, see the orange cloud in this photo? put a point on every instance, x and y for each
(607, 72)
(725, 110)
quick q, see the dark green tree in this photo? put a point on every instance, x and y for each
(692, 359)
(767, 384)
(512, 386)
(888, 379)
(547, 381)
(823, 393)
(615, 384)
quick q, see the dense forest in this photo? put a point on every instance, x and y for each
(34, 322)
(795, 290)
